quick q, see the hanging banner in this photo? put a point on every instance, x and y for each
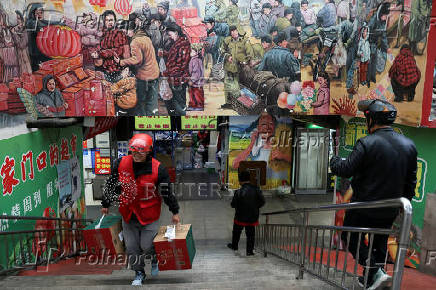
(195, 123)
(153, 123)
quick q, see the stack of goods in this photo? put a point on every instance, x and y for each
(15, 105)
(248, 98)
(85, 91)
(4, 93)
(187, 18)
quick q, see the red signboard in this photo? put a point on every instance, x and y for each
(102, 164)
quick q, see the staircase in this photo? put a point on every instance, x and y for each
(215, 267)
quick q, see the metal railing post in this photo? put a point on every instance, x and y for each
(403, 244)
(303, 245)
(265, 229)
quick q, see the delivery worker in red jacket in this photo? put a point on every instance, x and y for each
(134, 184)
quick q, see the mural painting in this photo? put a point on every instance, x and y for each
(261, 138)
(190, 57)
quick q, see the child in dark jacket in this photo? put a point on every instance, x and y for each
(246, 202)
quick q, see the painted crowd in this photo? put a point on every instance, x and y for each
(121, 57)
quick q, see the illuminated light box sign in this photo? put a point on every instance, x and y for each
(199, 122)
(153, 123)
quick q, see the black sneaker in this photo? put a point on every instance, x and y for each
(230, 246)
(250, 254)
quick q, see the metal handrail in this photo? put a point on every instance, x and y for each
(13, 217)
(31, 248)
(302, 231)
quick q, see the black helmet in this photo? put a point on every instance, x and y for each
(380, 111)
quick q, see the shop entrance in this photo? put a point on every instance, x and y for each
(190, 159)
(311, 161)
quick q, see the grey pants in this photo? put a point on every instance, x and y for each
(139, 243)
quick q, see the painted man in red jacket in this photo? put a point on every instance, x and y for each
(177, 63)
(134, 184)
(404, 74)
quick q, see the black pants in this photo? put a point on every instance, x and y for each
(236, 235)
(379, 248)
(400, 91)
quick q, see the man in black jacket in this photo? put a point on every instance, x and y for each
(246, 202)
(383, 165)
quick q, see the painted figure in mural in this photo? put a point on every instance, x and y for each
(343, 9)
(143, 58)
(163, 8)
(8, 51)
(210, 9)
(322, 104)
(363, 54)
(261, 146)
(280, 61)
(34, 23)
(177, 64)
(90, 35)
(267, 20)
(216, 32)
(378, 41)
(246, 201)
(140, 206)
(404, 74)
(124, 92)
(196, 80)
(259, 50)
(326, 17)
(255, 14)
(309, 20)
(114, 43)
(21, 40)
(382, 165)
(221, 13)
(49, 101)
(278, 9)
(156, 31)
(232, 14)
(420, 11)
(236, 50)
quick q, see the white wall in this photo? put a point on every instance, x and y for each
(11, 126)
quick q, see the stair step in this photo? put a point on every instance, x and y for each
(271, 282)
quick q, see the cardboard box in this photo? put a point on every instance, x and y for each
(66, 80)
(4, 92)
(106, 239)
(80, 73)
(177, 254)
(74, 98)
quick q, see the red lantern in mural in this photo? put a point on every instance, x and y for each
(59, 41)
(123, 7)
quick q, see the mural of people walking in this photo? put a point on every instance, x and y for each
(243, 45)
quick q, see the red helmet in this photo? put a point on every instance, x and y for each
(141, 143)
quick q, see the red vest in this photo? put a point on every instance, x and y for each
(139, 196)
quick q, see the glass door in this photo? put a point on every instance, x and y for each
(311, 161)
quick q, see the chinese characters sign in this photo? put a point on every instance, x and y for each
(153, 123)
(34, 168)
(199, 123)
(102, 164)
